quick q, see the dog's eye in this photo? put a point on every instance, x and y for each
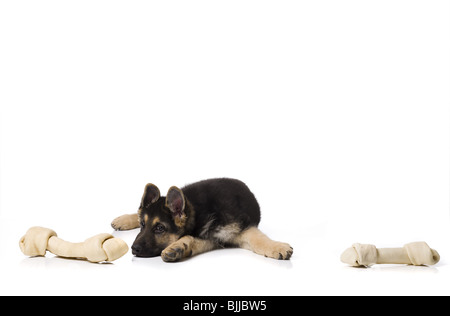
(142, 224)
(159, 228)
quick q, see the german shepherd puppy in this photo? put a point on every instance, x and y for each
(202, 216)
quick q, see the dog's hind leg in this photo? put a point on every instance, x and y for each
(255, 240)
(126, 222)
(186, 246)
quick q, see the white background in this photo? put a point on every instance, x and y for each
(335, 113)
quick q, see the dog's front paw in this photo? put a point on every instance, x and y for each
(125, 222)
(173, 253)
(280, 251)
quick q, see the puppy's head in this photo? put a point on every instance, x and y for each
(162, 220)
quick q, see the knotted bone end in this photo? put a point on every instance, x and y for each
(104, 247)
(34, 242)
(360, 255)
(421, 254)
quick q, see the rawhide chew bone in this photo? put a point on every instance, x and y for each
(101, 247)
(415, 253)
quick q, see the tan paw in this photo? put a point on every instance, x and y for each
(279, 250)
(125, 222)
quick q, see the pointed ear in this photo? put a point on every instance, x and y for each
(151, 195)
(176, 202)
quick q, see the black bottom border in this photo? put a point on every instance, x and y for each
(207, 305)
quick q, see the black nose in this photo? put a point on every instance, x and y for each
(136, 249)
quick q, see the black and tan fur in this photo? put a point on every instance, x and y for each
(202, 216)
